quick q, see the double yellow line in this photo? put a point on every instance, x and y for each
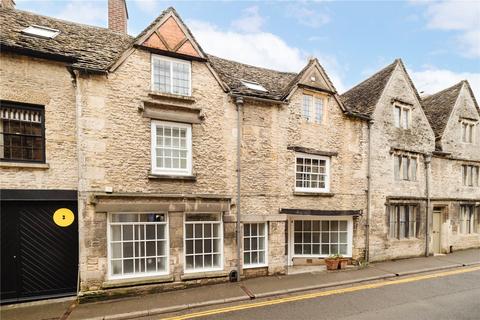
(321, 294)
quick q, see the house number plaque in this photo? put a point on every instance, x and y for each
(63, 217)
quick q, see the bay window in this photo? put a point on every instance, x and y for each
(137, 244)
(255, 240)
(171, 148)
(203, 242)
(171, 75)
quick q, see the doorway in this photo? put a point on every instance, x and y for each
(437, 230)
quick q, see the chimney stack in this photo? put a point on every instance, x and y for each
(117, 15)
(9, 4)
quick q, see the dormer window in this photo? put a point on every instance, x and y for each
(402, 115)
(313, 108)
(41, 32)
(253, 86)
(171, 75)
(468, 130)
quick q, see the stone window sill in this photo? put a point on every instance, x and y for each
(25, 165)
(118, 283)
(313, 194)
(171, 177)
(201, 275)
(169, 96)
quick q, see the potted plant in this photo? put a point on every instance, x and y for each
(332, 262)
(342, 262)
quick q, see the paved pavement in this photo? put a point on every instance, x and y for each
(156, 304)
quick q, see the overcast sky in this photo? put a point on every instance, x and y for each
(438, 41)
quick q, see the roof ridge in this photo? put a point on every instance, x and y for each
(396, 61)
(444, 90)
(68, 21)
(252, 66)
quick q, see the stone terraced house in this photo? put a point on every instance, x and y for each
(139, 164)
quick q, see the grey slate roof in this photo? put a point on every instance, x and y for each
(363, 98)
(439, 106)
(87, 46)
(231, 73)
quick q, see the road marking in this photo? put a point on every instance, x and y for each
(320, 294)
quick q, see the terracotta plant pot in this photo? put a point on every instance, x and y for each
(332, 264)
(342, 263)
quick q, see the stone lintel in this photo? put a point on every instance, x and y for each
(400, 101)
(311, 212)
(166, 206)
(395, 149)
(170, 112)
(313, 151)
(246, 218)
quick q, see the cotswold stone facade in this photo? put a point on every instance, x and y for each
(144, 132)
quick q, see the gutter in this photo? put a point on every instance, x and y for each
(369, 191)
(239, 104)
(428, 159)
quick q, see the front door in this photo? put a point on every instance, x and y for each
(39, 259)
(436, 231)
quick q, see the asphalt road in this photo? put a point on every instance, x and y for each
(445, 297)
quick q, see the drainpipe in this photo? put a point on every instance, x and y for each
(369, 191)
(428, 159)
(75, 74)
(239, 103)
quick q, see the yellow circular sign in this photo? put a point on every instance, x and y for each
(63, 217)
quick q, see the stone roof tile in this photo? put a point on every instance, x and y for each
(85, 46)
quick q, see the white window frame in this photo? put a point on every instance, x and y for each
(110, 274)
(401, 123)
(265, 247)
(171, 171)
(412, 170)
(291, 231)
(156, 57)
(220, 234)
(327, 173)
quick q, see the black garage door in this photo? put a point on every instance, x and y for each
(39, 259)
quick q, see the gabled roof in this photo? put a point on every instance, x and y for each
(363, 98)
(169, 33)
(85, 46)
(232, 73)
(439, 106)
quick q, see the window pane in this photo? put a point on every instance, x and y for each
(161, 75)
(396, 161)
(405, 118)
(307, 102)
(413, 169)
(405, 168)
(318, 110)
(397, 116)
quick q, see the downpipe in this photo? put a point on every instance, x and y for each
(369, 192)
(239, 104)
(428, 159)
